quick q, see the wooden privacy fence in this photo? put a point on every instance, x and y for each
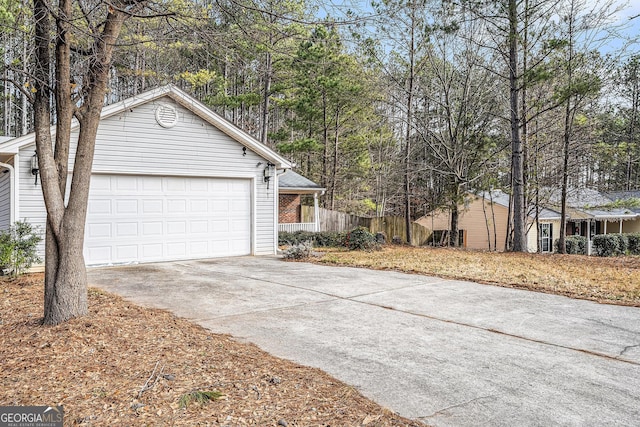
(395, 226)
(389, 225)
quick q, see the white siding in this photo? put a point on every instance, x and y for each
(5, 200)
(132, 142)
(31, 202)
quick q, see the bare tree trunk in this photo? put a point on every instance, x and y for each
(325, 144)
(407, 142)
(486, 222)
(562, 248)
(65, 293)
(453, 232)
(455, 216)
(334, 166)
(519, 236)
(493, 218)
(568, 119)
(265, 101)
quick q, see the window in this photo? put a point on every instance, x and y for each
(546, 237)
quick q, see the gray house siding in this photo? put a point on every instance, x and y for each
(132, 142)
(5, 201)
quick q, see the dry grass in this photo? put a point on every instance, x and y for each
(609, 280)
(123, 365)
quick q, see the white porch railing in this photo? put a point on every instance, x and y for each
(297, 226)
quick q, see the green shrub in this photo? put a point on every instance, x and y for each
(361, 239)
(623, 243)
(609, 244)
(18, 247)
(633, 243)
(329, 239)
(575, 245)
(319, 239)
(300, 250)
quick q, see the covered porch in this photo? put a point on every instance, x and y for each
(293, 188)
(594, 223)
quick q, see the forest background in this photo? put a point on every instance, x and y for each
(396, 107)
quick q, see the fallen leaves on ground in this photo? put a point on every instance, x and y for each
(127, 365)
(611, 280)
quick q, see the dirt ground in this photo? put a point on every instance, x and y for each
(126, 365)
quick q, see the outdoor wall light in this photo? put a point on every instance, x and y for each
(269, 172)
(35, 170)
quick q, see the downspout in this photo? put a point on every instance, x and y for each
(12, 193)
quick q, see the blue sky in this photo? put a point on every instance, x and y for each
(629, 28)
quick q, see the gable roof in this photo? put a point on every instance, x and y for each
(501, 198)
(586, 203)
(291, 181)
(625, 195)
(13, 145)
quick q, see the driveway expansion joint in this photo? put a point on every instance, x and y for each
(422, 315)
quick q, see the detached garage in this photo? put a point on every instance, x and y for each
(170, 180)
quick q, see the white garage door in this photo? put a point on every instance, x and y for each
(150, 218)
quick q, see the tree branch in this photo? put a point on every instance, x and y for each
(20, 87)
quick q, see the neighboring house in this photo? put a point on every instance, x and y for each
(171, 180)
(291, 188)
(483, 219)
(590, 212)
(482, 223)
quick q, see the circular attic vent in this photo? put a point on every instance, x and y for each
(166, 115)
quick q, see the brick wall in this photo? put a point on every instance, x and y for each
(289, 208)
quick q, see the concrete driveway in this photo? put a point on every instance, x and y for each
(448, 353)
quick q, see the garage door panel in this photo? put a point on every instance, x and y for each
(99, 254)
(99, 230)
(198, 186)
(126, 183)
(126, 253)
(150, 185)
(101, 184)
(199, 227)
(126, 229)
(220, 186)
(199, 248)
(152, 251)
(149, 218)
(152, 228)
(239, 244)
(198, 206)
(99, 207)
(152, 206)
(178, 206)
(126, 206)
(220, 226)
(240, 226)
(176, 227)
(177, 250)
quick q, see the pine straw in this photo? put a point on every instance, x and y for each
(126, 365)
(607, 280)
